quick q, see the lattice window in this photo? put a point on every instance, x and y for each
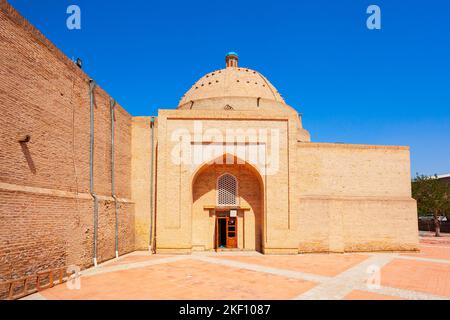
(226, 190)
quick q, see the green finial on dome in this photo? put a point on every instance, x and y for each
(231, 59)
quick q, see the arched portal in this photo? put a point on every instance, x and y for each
(227, 207)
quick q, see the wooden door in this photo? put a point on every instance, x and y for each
(231, 232)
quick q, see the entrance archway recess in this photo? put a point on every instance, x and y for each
(249, 207)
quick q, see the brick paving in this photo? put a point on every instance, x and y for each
(422, 276)
(185, 279)
(321, 264)
(224, 276)
(431, 252)
(365, 295)
(129, 259)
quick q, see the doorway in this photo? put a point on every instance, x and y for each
(222, 233)
(226, 232)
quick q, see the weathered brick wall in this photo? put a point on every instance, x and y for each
(140, 177)
(354, 198)
(353, 170)
(46, 214)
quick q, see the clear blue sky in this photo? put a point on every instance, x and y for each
(353, 85)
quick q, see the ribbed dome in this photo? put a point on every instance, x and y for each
(232, 81)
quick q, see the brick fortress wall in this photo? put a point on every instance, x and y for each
(46, 211)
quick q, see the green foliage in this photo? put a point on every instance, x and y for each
(432, 195)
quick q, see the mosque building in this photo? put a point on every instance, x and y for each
(230, 168)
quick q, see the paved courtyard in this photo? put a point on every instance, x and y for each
(424, 275)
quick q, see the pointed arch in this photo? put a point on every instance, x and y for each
(223, 158)
(243, 182)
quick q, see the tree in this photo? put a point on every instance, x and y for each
(432, 196)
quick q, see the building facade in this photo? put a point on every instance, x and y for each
(230, 168)
(233, 134)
